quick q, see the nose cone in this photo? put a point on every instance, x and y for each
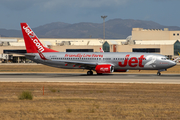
(172, 63)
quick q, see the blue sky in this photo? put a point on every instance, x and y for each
(40, 12)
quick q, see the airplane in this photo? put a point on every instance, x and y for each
(100, 62)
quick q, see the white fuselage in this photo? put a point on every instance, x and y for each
(127, 61)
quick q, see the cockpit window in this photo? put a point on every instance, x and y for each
(164, 58)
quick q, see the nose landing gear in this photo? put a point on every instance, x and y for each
(158, 73)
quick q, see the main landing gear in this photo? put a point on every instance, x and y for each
(90, 72)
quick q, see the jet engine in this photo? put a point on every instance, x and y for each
(105, 68)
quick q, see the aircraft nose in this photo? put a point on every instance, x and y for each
(172, 63)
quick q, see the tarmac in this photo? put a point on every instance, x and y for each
(78, 77)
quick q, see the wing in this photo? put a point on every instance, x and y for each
(86, 65)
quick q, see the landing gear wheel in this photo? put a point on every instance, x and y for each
(158, 73)
(89, 72)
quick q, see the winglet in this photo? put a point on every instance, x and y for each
(32, 42)
(101, 50)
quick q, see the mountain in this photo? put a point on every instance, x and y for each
(115, 29)
(10, 33)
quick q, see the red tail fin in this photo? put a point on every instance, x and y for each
(32, 42)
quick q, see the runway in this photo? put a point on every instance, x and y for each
(77, 77)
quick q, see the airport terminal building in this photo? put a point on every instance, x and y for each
(159, 41)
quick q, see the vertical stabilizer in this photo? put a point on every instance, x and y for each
(33, 44)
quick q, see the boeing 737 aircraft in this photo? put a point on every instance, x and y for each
(101, 62)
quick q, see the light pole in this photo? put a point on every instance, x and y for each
(104, 25)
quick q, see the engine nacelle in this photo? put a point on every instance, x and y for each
(121, 70)
(105, 68)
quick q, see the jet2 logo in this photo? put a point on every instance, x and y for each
(132, 62)
(104, 69)
(33, 38)
(29, 32)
